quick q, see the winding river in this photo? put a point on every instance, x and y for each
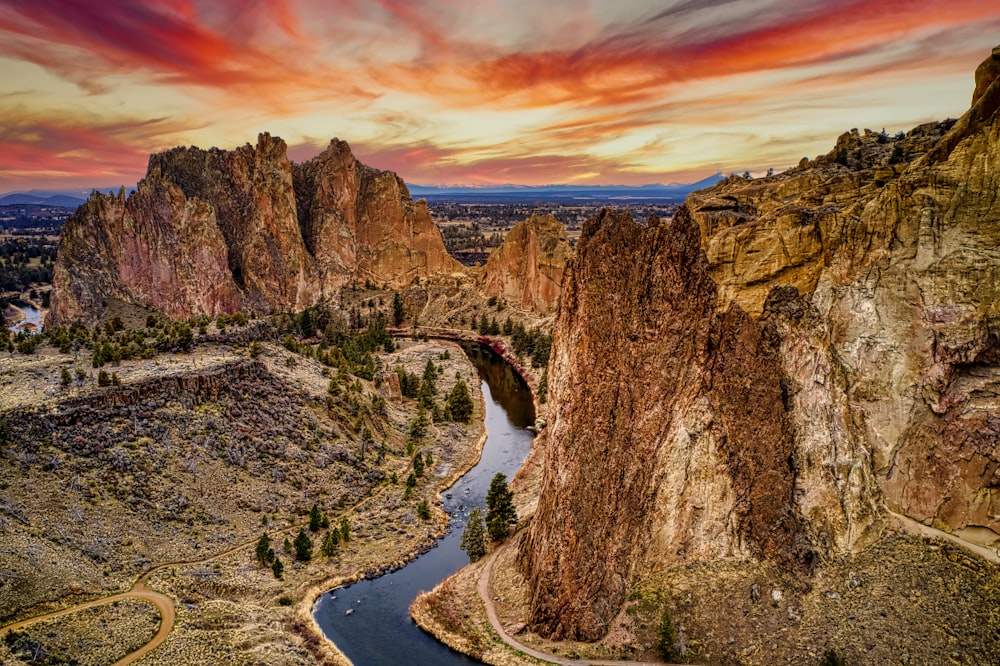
(379, 629)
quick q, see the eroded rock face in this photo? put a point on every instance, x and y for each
(669, 440)
(211, 231)
(527, 269)
(770, 372)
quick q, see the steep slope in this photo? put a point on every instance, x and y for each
(215, 231)
(527, 269)
(865, 375)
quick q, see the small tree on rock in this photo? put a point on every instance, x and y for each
(424, 509)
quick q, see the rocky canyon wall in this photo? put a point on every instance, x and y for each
(768, 373)
(527, 269)
(211, 231)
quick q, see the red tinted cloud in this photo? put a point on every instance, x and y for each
(637, 64)
(231, 48)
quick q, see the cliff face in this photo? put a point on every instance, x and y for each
(668, 441)
(527, 269)
(215, 231)
(768, 373)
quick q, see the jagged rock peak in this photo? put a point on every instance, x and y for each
(210, 231)
(987, 74)
(527, 268)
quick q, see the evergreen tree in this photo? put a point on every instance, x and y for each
(424, 509)
(500, 512)
(418, 465)
(263, 548)
(473, 536)
(398, 310)
(64, 377)
(314, 518)
(459, 404)
(329, 546)
(345, 530)
(430, 375)
(418, 427)
(277, 567)
(303, 546)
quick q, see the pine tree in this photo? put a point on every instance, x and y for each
(64, 377)
(263, 548)
(418, 465)
(398, 310)
(473, 536)
(329, 547)
(424, 509)
(459, 403)
(277, 567)
(303, 546)
(500, 512)
(314, 518)
(345, 530)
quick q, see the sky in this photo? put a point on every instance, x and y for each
(475, 92)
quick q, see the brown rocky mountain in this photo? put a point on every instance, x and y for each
(527, 269)
(211, 231)
(773, 372)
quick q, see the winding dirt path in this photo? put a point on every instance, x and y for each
(163, 603)
(915, 527)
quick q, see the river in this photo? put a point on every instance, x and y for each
(380, 630)
(31, 316)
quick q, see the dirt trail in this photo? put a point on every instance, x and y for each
(163, 603)
(914, 527)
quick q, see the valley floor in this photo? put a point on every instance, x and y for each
(101, 484)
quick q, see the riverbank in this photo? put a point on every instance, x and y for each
(369, 620)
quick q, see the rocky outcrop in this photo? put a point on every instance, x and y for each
(527, 269)
(212, 231)
(767, 374)
(668, 441)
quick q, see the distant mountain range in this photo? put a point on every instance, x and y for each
(526, 193)
(674, 192)
(44, 198)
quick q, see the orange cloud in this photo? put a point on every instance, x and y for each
(637, 65)
(228, 48)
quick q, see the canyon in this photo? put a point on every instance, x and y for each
(774, 372)
(752, 390)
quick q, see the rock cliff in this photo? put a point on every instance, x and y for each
(772, 371)
(211, 231)
(527, 269)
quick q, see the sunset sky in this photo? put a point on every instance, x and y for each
(475, 91)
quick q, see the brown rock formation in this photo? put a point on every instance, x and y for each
(527, 269)
(215, 231)
(669, 441)
(865, 375)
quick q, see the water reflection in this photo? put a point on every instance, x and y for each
(378, 629)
